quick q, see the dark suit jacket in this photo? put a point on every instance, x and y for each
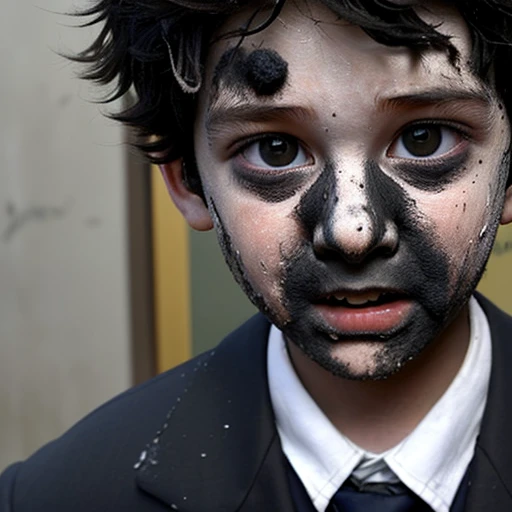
(208, 441)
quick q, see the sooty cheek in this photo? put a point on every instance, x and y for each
(435, 176)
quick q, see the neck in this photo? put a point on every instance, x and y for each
(377, 415)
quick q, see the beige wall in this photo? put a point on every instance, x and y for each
(64, 322)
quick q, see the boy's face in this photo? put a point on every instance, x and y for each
(356, 193)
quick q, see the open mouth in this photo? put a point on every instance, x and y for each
(373, 311)
(361, 300)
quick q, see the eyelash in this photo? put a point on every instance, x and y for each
(453, 128)
(246, 144)
(239, 148)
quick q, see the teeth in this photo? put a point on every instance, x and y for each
(359, 299)
(356, 301)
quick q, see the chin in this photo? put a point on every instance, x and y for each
(359, 360)
(362, 357)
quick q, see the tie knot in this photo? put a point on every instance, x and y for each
(352, 497)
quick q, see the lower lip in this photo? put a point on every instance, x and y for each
(373, 319)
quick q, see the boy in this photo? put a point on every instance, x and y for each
(354, 161)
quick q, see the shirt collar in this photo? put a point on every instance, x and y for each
(431, 461)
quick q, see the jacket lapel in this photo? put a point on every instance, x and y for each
(490, 479)
(218, 449)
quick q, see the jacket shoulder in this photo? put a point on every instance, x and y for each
(92, 466)
(93, 462)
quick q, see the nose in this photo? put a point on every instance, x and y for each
(356, 219)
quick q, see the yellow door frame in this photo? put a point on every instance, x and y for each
(171, 278)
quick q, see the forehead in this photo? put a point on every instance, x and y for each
(323, 51)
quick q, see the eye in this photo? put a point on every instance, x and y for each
(276, 151)
(425, 141)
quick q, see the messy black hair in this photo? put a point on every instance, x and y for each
(156, 49)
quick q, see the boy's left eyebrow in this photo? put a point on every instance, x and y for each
(436, 96)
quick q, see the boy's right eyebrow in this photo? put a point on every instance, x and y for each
(219, 118)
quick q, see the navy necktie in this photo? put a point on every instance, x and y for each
(376, 498)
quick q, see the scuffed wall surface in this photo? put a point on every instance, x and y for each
(64, 326)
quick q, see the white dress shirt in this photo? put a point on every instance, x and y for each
(431, 461)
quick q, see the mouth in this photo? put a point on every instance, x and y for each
(367, 312)
(361, 300)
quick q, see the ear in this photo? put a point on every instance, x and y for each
(191, 206)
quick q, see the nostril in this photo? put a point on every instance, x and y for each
(354, 240)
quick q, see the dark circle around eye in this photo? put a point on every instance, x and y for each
(278, 151)
(422, 141)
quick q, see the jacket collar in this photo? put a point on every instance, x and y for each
(219, 449)
(490, 478)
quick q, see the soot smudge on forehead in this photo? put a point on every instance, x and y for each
(263, 71)
(266, 72)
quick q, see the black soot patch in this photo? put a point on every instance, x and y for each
(270, 188)
(418, 268)
(264, 71)
(436, 176)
